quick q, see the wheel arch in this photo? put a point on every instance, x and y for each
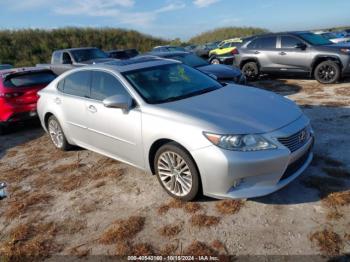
(46, 118)
(321, 58)
(247, 60)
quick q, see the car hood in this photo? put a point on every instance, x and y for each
(97, 61)
(233, 110)
(220, 71)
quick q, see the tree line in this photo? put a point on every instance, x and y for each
(28, 47)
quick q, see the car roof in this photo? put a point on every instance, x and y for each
(133, 64)
(281, 33)
(75, 48)
(6, 72)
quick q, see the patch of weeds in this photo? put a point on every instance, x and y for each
(229, 207)
(23, 204)
(33, 241)
(334, 214)
(70, 182)
(17, 174)
(328, 241)
(202, 220)
(337, 199)
(72, 226)
(110, 173)
(197, 248)
(168, 250)
(122, 229)
(11, 153)
(123, 248)
(66, 168)
(192, 207)
(337, 172)
(79, 253)
(188, 207)
(143, 249)
(170, 230)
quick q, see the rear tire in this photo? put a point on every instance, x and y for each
(177, 172)
(215, 61)
(327, 72)
(251, 71)
(57, 136)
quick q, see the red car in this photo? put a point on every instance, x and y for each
(18, 93)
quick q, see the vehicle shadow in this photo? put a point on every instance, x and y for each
(19, 134)
(279, 86)
(329, 171)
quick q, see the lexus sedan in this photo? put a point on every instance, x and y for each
(194, 133)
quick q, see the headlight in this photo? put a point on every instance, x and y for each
(240, 142)
(345, 50)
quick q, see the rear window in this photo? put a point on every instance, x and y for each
(29, 79)
(263, 43)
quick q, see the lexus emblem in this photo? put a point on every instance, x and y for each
(302, 136)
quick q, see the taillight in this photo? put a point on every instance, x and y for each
(10, 95)
(235, 51)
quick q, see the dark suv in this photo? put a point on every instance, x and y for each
(293, 53)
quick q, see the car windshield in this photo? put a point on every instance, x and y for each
(191, 60)
(170, 82)
(29, 79)
(314, 39)
(81, 55)
(329, 35)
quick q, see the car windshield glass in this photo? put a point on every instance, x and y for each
(170, 83)
(314, 39)
(88, 54)
(191, 60)
(29, 79)
(329, 35)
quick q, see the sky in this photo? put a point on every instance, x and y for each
(175, 18)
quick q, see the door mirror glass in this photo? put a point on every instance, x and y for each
(118, 101)
(301, 46)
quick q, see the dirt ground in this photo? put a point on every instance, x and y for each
(80, 203)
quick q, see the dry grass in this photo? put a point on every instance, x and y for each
(11, 153)
(23, 204)
(80, 253)
(188, 207)
(168, 250)
(328, 241)
(334, 214)
(202, 220)
(70, 182)
(343, 91)
(197, 248)
(143, 249)
(122, 229)
(30, 241)
(337, 172)
(123, 248)
(86, 208)
(347, 236)
(66, 168)
(110, 173)
(170, 230)
(72, 226)
(229, 207)
(337, 199)
(16, 175)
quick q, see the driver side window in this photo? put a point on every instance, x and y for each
(66, 58)
(289, 42)
(105, 85)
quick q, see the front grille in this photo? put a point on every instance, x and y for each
(296, 165)
(297, 140)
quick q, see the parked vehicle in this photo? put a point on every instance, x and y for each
(334, 37)
(18, 94)
(203, 50)
(168, 48)
(190, 48)
(294, 53)
(222, 73)
(122, 54)
(67, 59)
(176, 122)
(225, 51)
(5, 66)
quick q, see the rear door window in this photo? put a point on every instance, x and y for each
(268, 42)
(29, 79)
(105, 85)
(289, 41)
(77, 84)
(56, 57)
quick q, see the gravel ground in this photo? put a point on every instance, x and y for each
(80, 203)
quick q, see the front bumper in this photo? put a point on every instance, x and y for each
(230, 174)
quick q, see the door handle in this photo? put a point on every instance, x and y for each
(92, 109)
(57, 101)
(282, 53)
(256, 52)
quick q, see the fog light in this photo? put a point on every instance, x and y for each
(3, 193)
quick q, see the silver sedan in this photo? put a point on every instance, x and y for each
(196, 134)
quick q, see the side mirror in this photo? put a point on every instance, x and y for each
(301, 46)
(118, 101)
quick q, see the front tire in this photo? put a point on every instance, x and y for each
(251, 71)
(327, 72)
(177, 172)
(215, 61)
(57, 136)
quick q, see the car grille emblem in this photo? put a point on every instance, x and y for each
(302, 136)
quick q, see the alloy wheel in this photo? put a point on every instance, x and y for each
(174, 173)
(249, 71)
(327, 73)
(56, 133)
